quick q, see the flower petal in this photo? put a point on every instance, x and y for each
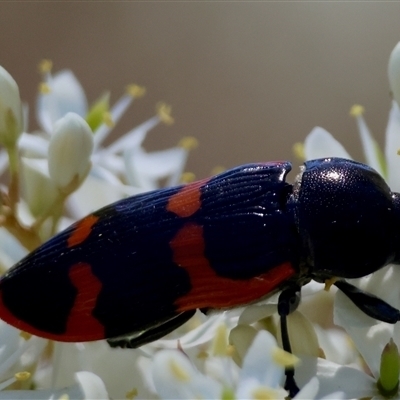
(350, 382)
(392, 148)
(369, 335)
(394, 72)
(372, 152)
(259, 362)
(321, 144)
(66, 95)
(146, 169)
(175, 378)
(303, 338)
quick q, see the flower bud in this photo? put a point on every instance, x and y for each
(70, 149)
(388, 383)
(394, 72)
(11, 122)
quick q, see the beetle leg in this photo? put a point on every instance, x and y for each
(288, 301)
(137, 339)
(368, 303)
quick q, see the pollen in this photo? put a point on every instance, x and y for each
(283, 358)
(22, 376)
(188, 143)
(44, 88)
(179, 373)
(188, 177)
(218, 169)
(45, 66)
(220, 342)
(298, 151)
(136, 91)
(263, 393)
(356, 110)
(164, 113)
(202, 355)
(131, 394)
(25, 335)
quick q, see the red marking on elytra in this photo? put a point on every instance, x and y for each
(187, 201)
(82, 230)
(209, 289)
(7, 316)
(81, 325)
(81, 321)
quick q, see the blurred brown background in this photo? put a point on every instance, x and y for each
(248, 79)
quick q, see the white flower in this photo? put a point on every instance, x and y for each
(174, 376)
(370, 336)
(59, 95)
(394, 72)
(124, 168)
(261, 375)
(54, 162)
(11, 123)
(88, 386)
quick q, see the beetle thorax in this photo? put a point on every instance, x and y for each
(344, 215)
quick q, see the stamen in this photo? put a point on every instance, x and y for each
(45, 66)
(298, 150)
(22, 376)
(357, 110)
(136, 91)
(164, 113)
(25, 335)
(131, 394)
(218, 170)
(202, 355)
(44, 88)
(263, 393)
(188, 177)
(188, 143)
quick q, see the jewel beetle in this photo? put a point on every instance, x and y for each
(137, 269)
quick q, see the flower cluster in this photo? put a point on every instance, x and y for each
(376, 341)
(53, 174)
(57, 175)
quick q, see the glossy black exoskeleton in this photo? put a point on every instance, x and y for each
(137, 269)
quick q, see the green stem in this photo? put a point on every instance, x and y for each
(27, 237)
(55, 210)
